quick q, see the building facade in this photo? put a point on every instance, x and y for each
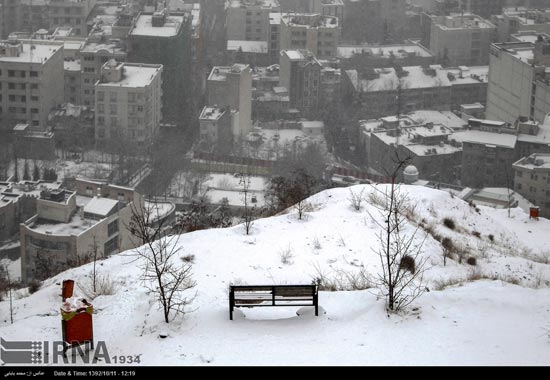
(532, 180)
(32, 81)
(128, 102)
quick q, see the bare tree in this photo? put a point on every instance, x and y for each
(401, 278)
(249, 211)
(94, 251)
(166, 277)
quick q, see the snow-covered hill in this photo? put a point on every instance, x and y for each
(494, 313)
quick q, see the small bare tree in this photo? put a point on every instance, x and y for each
(249, 212)
(401, 278)
(166, 277)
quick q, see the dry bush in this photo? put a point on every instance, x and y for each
(471, 261)
(443, 284)
(189, 258)
(476, 234)
(356, 199)
(105, 286)
(408, 263)
(286, 256)
(316, 243)
(449, 223)
(342, 280)
(34, 286)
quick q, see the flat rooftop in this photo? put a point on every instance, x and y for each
(40, 53)
(259, 47)
(466, 21)
(144, 26)
(219, 73)
(211, 113)
(385, 51)
(309, 20)
(254, 3)
(487, 138)
(535, 161)
(135, 75)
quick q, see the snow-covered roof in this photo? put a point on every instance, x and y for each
(247, 46)
(219, 73)
(211, 113)
(100, 206)
(309, 20)
(488, 138)
(35, 52)
(135, 75)
(144, 26)
(385, 51)
(534, 162)
(72, 65)
(416, 77)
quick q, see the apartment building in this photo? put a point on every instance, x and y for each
(334, 8)
(461, 39)
(31, 72)
(300, 73)
(316, 33)
(519, 81)
(72, 13)
(94, 54)
(215, 129)
(248, 20)
(70, 226)
(128, 102)
(518, 19)
(532, 180)
(165, 38)
(231, 87)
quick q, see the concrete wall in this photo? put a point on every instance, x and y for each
(57, 211)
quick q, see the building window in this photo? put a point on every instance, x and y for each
(34, 74)
(113, 109)
(11, 73)
(519, 173)
(22, 74)
(112, 228)
(11, 86)
(100, 96)
(34, 86)
(113, 97)
(100, 120)
(111, 246)
(11, 98)
(34, 110)
(140, 108)
(100, 108)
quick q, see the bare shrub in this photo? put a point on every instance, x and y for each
(342, 280)
(286, 255)
(189, 258)
(476, 234)
(341, 241)
(408, 263)
(449, 223)
(356, 199)
(445, 283)
(104, 286)
(471, 261)
(316, 243)
(491, 238)
(34, 286)
(448, 249)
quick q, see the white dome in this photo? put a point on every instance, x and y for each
(411, 170)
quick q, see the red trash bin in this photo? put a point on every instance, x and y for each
(76, 322)
(534, 212)
(67, 289)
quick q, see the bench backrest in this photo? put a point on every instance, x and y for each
(277, 290)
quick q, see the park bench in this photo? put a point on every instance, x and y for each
(272, 295)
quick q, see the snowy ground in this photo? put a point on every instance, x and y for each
(64, 168)
(217, 186)
(484, 322)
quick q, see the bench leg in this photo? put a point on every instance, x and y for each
(231, 313)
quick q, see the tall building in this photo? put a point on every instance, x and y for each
(248, 20)
(318, 34)
(128, 101)
(518, 19)
(461, 39)
(518, 81)
(32, 76)
(532, 180)
(274, 37)
(483, 8)
(231, 87)
(333, 8)
(70, 226)
(300, 74)
(165, 38)
(374, 21)
(93, 56)
(73, 13)
(215, 129)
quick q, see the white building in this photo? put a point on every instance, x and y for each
(532, 180)
(519, 85)
(318, 34)
(33, 81)
(128, 101)
(249, 19)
